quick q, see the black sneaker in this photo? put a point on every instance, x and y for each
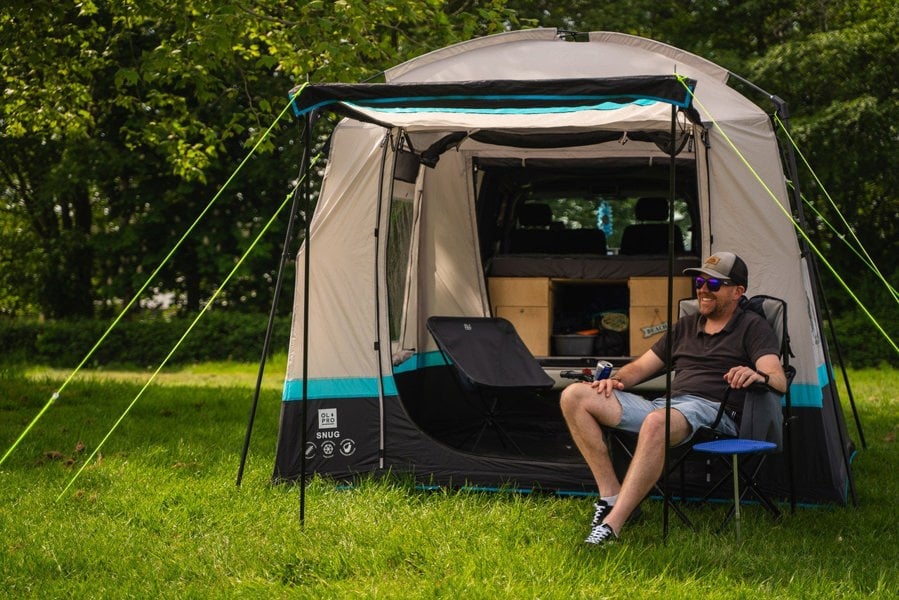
(601, 535)
(601, 510)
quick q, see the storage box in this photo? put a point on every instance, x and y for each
(527, 303)
(573, 344)
(519, 291)
(649, 312)
(531, 323)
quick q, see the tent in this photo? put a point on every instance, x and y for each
(433, 203)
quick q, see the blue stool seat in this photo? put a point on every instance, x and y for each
(735, 446)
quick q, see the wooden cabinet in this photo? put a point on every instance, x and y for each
(649, 310)
(527, 303)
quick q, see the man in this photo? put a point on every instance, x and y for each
(721, 345)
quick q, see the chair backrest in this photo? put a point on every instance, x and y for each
(650, 237)
(488, 352)
(762, 418)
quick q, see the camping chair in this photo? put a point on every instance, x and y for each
(762, 427)
(491, 365)
(761, 424)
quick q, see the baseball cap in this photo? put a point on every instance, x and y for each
(724, 265)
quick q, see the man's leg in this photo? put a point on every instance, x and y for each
(585, 411)
(646, 467)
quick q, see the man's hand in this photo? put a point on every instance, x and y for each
(605, 386)
(743, 377)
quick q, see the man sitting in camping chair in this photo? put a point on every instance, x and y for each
(722, 345)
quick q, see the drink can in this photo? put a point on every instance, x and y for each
(603, 370)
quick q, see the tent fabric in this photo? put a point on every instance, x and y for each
(369, 377)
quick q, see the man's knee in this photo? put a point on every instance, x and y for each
(654, 425)
(572, 398)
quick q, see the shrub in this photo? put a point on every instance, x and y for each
(141, 343)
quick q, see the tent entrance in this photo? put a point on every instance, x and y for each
(578, 249)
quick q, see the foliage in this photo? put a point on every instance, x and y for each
(122, 120)
(218, 335)
(157, 514)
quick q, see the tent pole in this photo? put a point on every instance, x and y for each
(668, 339)
(818, 297)
(839, 353)
(307, 218)
(266, 344)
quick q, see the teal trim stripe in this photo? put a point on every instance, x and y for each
(806, 395)
(420, 361)
(508, 110)
(334, 388)
(337, 388)
(809, 395)
(602, 104)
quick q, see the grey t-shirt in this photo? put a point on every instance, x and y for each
(701, 360)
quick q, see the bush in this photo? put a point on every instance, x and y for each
(861, 344)
(142, 343)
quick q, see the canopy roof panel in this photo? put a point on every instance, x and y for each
(505, 104)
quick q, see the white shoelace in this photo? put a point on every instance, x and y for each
(601, 534)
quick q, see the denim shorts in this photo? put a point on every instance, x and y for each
(698, 412)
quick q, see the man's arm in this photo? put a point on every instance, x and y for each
(767, 370)
(631, 374)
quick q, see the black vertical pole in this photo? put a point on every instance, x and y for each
(307, 218)
(668, 339)
(266, 344)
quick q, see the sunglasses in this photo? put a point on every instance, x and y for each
(713, 284)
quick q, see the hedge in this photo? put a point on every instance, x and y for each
(239, 337)
(141, 343)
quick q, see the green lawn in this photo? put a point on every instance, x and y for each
(157, 513)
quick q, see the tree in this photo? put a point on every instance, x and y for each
(121, 120)
(841, 84)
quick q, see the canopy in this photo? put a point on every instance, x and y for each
(497, 103)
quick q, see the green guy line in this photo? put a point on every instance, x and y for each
(190, 328)
(842, 238)
(55, 396)
(805, 236)
(867, 257)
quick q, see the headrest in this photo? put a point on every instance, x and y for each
(651, 209)
(535, 215)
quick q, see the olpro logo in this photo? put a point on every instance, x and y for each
(327, 418)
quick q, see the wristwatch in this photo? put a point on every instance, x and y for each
(765, 375)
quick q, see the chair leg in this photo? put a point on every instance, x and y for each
(739, 472)
(736, 470)
(751, 483)
(666, 497)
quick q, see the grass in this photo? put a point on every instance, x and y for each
(157, 514)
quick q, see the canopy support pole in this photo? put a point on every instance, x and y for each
(307, 219)
(672, 189)
(266, 344)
